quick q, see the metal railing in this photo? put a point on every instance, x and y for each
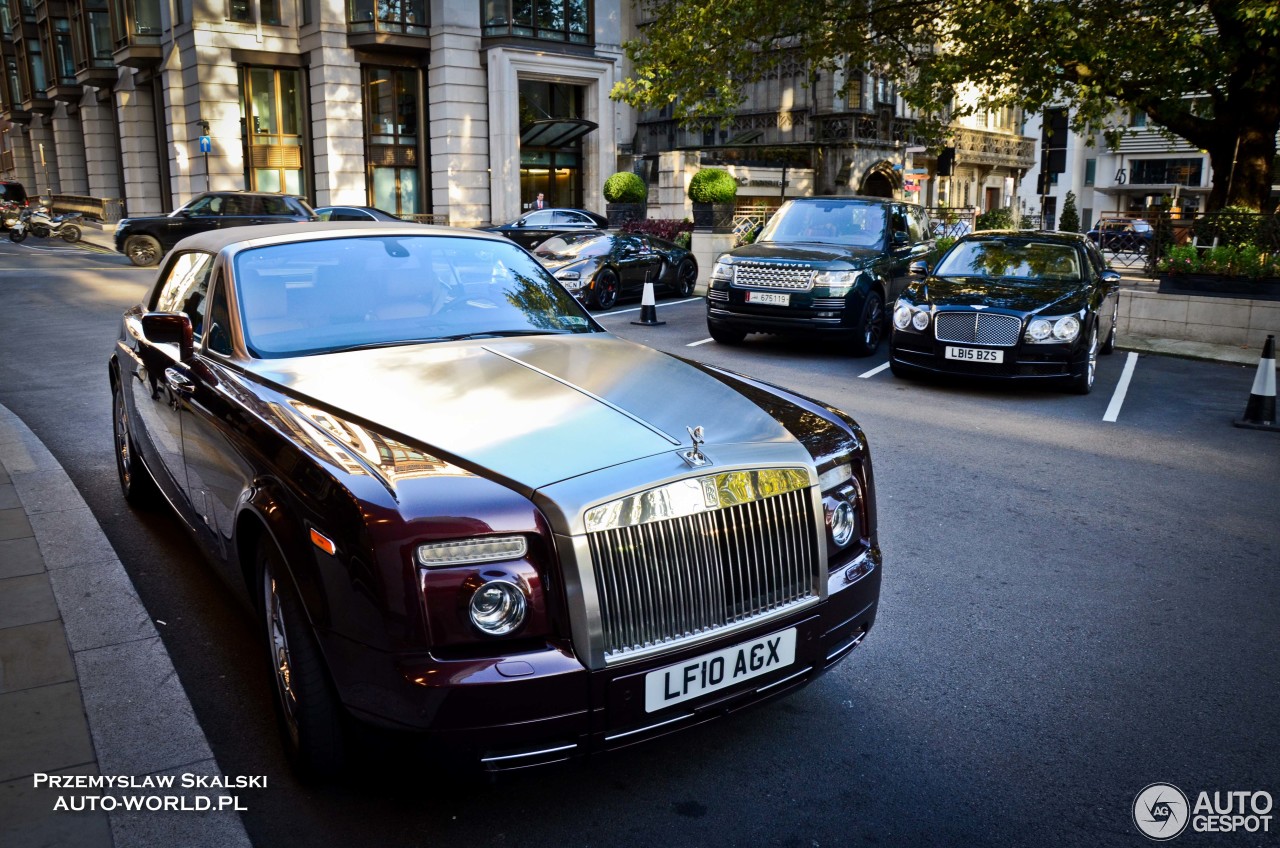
(426, 218)
(108, 210)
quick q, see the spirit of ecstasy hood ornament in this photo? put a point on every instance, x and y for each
(695, 456)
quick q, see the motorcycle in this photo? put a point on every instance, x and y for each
(65, 227)
(18, 230)
(9, 212)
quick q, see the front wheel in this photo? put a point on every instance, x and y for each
(310, 719)
(686, 278)
(870, 325)
(70, 233)
(17, 236)
(1082, 383)
(606, 290)
(142, 251)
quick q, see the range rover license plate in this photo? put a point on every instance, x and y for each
(718, 670)
(770, 298)
(974, 354)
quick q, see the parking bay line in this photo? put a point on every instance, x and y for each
(599, 315)
(1122, 388)
(702, 342)
(866, 375)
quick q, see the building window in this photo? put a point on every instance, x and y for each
(408, 17)
(392, 100)
(884, 90)
(240, 10)
(270, 10)
(552, 20)
(136, 18)
(1090, 172)
(1185, 172)
(1138, 120)
(275, 119)
(551, 166)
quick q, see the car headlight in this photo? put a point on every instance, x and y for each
(572, 280)
(909, 315)
(835, 279)
(469, 551)
(722, 272)
(1053, 329)
(497, 608)
(843, 523)
(840, 504)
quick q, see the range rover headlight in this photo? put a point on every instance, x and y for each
(468, 551)
(722, 272)
(498, 608)
(831, 279)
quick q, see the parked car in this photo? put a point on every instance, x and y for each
(146, 240)
(601, 267)
(1125, 235)
(1025, 305)
(533, 228)
(822, 265)
(354, 213)
(462, 509)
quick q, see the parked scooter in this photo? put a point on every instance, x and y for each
(65, 227)
(18, 230)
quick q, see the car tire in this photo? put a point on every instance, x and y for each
(725, 335)
(311, 722)
(143, 251)
(605, 291)
(1109, 346)
(686, 278)
(1082, 383)
(136, 484)
(870, 325)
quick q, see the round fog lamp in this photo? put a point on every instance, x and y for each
(901, 317)
(497, 608)
(921, 320)
(842, 524)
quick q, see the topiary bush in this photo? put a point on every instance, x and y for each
(625, 187)
(713, 185)
(996, 219)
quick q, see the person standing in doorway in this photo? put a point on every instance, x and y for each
(540, 202)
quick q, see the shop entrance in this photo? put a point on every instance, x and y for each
(551, 133)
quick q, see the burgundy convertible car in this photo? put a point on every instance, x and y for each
(462, 509)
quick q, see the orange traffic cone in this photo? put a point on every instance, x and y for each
(1260, 413)
(648, 306)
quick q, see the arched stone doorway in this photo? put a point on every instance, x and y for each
(880, 181)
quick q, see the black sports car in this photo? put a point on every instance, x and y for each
(601, 267)
(533, 228)
(1019, 305)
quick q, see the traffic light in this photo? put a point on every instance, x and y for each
(946, 161)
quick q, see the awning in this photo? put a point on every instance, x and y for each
(555, 132)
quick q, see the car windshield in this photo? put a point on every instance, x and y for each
(321, 296)
(1021, 260)
(575, 246)
(830, 222)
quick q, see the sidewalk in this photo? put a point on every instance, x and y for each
(86, 685)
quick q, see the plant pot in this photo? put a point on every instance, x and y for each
(713, 217)
(620, 213)
(1220, 285)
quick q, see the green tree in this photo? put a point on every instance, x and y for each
(1069, 220)
(1205, 70)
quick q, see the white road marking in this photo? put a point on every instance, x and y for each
(695, 344)
(599, 315)
(1122, 388)
(874, 371)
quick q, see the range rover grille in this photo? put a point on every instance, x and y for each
(977, 328)
(771, 275)
(668, 580)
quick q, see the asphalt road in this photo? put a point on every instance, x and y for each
(1073, 609)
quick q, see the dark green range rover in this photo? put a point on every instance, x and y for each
(822, 264)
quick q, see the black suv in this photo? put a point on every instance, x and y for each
(146, 240)
(12, 192)
(822, 264)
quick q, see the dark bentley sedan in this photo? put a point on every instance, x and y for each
(602, 267)
(1017, 305)
(462, 509)
(533, 228)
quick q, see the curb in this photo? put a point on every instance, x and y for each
(140, 720)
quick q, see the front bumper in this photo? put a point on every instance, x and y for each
(543, 706)
(921, 352)
(806, 313)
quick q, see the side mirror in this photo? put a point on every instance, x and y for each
(170, 328)
(1111, 278)
(901, 239)
(919, 268)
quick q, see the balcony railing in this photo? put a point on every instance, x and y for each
(866, 127)
(980, 147)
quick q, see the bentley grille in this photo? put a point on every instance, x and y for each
(770, 275)
(977, 328)
(667, 580)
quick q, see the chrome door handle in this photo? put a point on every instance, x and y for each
(179, 382)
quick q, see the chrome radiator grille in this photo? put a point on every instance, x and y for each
(668, 580)
(977, 328)
(768, 275)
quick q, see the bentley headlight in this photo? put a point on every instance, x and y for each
(1039, 330)
(497, 608)
(902, 317)
(1066, 328)
(909, 315)
(469, 551)
(920, 320)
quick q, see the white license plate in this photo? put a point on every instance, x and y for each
(975, 354)
(770, 298)
(718, 670)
